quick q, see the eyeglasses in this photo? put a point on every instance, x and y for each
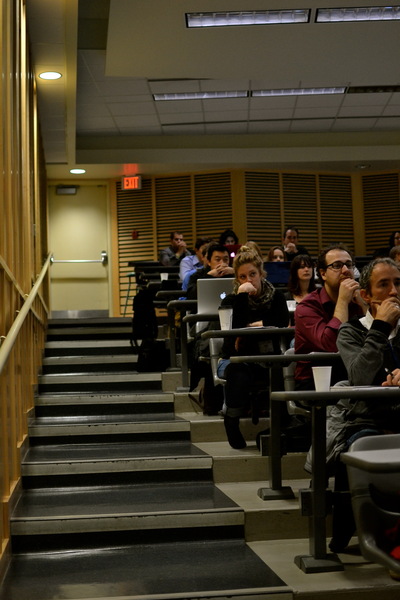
(338, 265)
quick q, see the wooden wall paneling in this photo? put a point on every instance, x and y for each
(381, 208)
(134, 214)
(213, 204)
(173, 209)
(300, 206)
(336, 209)
(263, 209)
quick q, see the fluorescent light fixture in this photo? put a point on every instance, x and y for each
(247, 17)
(201, 95)
(49, 75)
(299, 92)
(367, 13)
(77, 171)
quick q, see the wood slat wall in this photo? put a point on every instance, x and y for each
(23, 250)
(381, 208)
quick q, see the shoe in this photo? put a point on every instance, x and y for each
(234, 435)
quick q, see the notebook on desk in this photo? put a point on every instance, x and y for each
(210, 293)
(277, 272)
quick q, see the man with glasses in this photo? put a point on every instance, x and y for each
(319, 316)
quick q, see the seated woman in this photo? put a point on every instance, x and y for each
(276, 254)
(301, 279)
(255, 303)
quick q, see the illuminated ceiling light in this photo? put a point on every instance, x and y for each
(368, 13)
(49, 75)
(299, 91)
(77, 171)
(201, 95)
(247, 17)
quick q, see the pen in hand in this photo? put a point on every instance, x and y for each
(388, 372)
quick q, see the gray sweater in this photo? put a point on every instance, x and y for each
(365, 353)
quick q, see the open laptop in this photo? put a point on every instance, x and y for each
(277, 272)
(210, 293)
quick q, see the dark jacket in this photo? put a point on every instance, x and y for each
(273, 314)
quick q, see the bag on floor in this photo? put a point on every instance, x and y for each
(144, 321)
(152, 356)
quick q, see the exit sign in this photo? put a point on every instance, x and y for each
(132, 182)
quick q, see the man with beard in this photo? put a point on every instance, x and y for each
(319, 316)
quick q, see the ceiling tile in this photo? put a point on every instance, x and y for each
(234, 115)
(310, 125)
(354, 124)
(223, 128)
(355, 111)
(315, 113)
(178, 118)
(229, 104)
(131, 108)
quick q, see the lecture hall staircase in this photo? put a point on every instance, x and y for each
(129, 492)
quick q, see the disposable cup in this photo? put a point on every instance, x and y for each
(291, 304)
(322, 378)
(164, 276)
(225, 317)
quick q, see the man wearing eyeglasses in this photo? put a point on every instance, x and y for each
(319, 316)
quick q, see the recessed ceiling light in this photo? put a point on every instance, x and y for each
(77, 171)
(367, 13)
(246, 17)
(299, 91)
(48, 75)
(201, 95)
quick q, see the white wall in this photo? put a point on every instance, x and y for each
(79, 229)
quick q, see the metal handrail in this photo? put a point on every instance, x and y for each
(103, 260)
(11, 337)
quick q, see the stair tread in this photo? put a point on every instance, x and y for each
(94, 398)
(98, 377)
(123, 499)
(169, 569)
(75, 452)
(105, 419)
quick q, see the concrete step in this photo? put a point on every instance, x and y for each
(54, 405)
(111, 332)
(88, 347)
(186, 505)
(209, 567)
(115, 428)
(115, 382)
(86, 364)
(79, 465)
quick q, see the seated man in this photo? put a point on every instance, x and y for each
(319, 316)
(290, 243)
(217, 259)
(370, 349)
(190, 264)
(175, 252)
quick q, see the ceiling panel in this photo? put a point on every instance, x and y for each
(145, 48)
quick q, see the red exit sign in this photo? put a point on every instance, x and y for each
(132, 182)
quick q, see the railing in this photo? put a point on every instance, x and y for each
(21, 354)
(103, 260)
(11, 337)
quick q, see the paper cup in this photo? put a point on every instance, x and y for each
(225, 317)
(291, 304)
(322, 378)
(164, 276)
